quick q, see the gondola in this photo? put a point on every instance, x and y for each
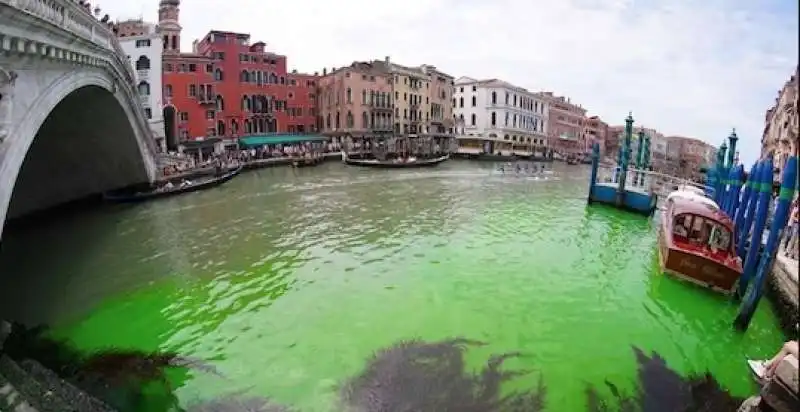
(389, 164)
(119, 197)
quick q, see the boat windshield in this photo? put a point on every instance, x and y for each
(702, 233)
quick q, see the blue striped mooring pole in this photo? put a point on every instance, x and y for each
(779, 221)
(763, 198)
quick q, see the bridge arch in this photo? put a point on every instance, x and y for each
(78, 137)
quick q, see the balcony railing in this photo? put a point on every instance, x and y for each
(143, 74)
(144, 99)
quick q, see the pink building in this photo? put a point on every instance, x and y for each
(596, 130)
(566, 124)
(355, 100)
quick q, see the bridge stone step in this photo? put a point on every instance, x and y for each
(11, 399)
(24, 386)
(76, 398)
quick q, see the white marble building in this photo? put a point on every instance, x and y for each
(499, 117)
(142, 44)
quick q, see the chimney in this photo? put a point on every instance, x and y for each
(387, 59)
(316, 74)
(324, 71)
(294, 71)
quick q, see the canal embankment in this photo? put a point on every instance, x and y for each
(783, 292)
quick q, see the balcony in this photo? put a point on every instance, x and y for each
(143, 74)
(379, 108)
(144, 99)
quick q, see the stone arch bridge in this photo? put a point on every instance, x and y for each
(70, 120)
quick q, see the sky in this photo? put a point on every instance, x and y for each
(684, 67)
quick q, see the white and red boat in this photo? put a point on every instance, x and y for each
(696, 242)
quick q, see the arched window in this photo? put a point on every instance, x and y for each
(245, 102)
(494, 118)
(494, 99)
(349, 120)
(328, 121)
(244, 76)
(254, 101)
(234, 127)
(220, 103)
(349, 96)
(338, 124)
(142, 63)
(248, 128)
(364, 96)
(143, 88)
(273, 78)
(460, 102)
(218, 74)
(272, 127)
(168, 90)
(474, 101)
(364, 120)
(220, 128)
(252, 76)
(472, 119)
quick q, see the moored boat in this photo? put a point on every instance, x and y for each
(306, 162)
(410, 162)
(695, 242)
(170, 189)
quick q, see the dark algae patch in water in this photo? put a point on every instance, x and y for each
(408, 376)
(432, 376)
(661, 389)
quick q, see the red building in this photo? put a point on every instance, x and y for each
(240, 88)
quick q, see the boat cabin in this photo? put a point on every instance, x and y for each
(702, 230)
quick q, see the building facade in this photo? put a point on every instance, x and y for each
(188, 83)
(356, 100)
(440, 94)
(596, 131)
(566, 124)
(229, 87)
(694, 155)
(499, 117)
(141, 43)
(782, 126)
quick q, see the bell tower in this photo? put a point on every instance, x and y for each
(169, 25)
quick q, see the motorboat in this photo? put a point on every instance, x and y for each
(696, 242)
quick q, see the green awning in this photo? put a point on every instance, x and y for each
(261, 140)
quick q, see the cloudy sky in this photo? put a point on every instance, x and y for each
(685, 67)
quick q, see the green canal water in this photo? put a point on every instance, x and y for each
(289, 280)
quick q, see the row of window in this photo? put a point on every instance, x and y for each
(368, 97)
(252, 58)
(368, 121)
(523, 103)
(525, 122)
